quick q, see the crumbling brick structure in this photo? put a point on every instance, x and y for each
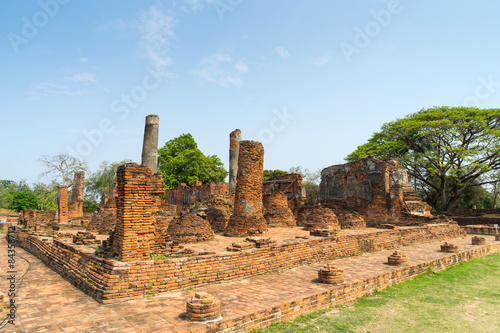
(276, 211)
(247, 218)
(315, 217)
(216, 210)
(75, 208)
(291, 186)
(189, 228)
(137, 188)
(378, 190)
(62, 204)
(31, 217)
(184, 196)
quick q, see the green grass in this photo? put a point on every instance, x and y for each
(3, 232)
(463, 298)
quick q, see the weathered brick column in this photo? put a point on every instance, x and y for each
(398, 258)
(150, 144)
(137, 190)
(247, 218)
(203, 307)
(76, 206)
(234, 149)
(62, 204)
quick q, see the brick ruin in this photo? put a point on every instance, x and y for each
(276, 210)
(247, 218)
(184, 197)
(291, 186)
(189, 228)
(75, 208)
(62, 204)
(145, 255)
(137, 190)
(234, 150)
(378, 190)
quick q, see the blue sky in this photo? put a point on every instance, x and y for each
(311, 80)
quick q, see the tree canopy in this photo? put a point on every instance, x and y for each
(61, 165)
(273, 173)
(99, 183)
(447, 149)
(180, 161)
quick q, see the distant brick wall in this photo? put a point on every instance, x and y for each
(184, 196)
(291, 186)
(376, 189)
(111, 281)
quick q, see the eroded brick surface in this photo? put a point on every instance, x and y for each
(75, 208)
(247, 218)
(62, 205)
(276, 210)
(313, 218)
(137, 190)
(189, 228)
(376, 189)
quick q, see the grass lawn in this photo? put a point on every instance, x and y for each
(463, 298)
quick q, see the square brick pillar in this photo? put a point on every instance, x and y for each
(137, 189)
(62, 204)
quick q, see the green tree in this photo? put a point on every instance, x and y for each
(273, 173)
(23, 200)
(5, 193)
(46, 195)
(180, 161)
(446, 149)
(310, 183)
(99, 183)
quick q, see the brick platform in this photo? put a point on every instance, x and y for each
(48, 303)
(109, 280)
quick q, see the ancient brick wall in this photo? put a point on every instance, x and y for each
(276, 210)
(247, 218)
(291, 186)
(377, 189)
(474, 216)
(33, 217)
(184, 196)
(62, 205)
(75, 208)
(110, 281)
(137, 188)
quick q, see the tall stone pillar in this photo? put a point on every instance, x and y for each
(247, 218)
(234, 150)
(62, 204)
(150, 144)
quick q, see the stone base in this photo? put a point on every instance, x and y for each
(203, 307)
(330, 274)
(451, 248)
(476, 240)
(249, 225)
(398, 258)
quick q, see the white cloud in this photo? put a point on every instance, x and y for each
(323, 60)
(84, 59)
(82, 77)
(219, 69)
(282, 52)
(45, 89)
(241, 67)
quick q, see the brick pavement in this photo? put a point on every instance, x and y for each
(48, 303)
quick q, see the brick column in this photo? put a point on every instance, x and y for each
(234, 150)
(247, 218)
(76, 206)
(137, 190)
(62, 204)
